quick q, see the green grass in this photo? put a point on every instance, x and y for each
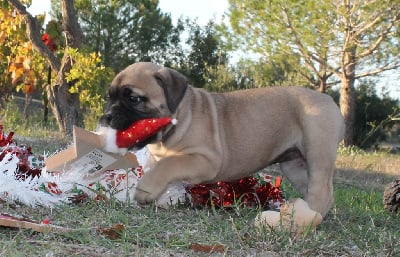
(30, 126)
(357, 225)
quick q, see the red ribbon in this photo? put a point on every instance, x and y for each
(250, 191)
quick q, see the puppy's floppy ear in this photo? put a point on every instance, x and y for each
(174, 85)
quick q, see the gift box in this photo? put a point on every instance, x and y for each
(86, 155)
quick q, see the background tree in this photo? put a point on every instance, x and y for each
(21, 68)
(10, 33)
(90, 80)
(128, 31)
(330, 42)
(64, 104)
(247, 74)
(204, 52)
(373, 115)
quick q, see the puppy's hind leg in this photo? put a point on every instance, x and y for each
(322, 132)
(313, 178)
(321, 169)
(296, 172)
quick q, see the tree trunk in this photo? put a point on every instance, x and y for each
(64, 105)
(27, 104)
(46, 98)
(322, 86)
(348, 107)
(347, 94)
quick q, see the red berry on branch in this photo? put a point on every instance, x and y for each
(49, 42)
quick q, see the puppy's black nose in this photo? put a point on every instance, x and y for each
(105, 120)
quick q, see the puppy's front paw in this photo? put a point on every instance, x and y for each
(149, 189)
(144, 197)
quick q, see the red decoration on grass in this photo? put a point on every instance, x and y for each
(250, 191)
(141, 130)
(7, 145)
(5, 140)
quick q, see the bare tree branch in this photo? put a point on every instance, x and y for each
(309, 79)
(382, 36)
(369, 25)
(308, 57)
(33, 33)
(335, 82)
(390, 66)
(71, 26)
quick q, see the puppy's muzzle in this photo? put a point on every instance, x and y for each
(117, 117)
(116, 121)
(105, 120)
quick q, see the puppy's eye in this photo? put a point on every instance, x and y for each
(135, 100)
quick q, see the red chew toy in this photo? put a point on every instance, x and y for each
(141, 130)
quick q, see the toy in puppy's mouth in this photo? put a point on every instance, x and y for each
(137, 135)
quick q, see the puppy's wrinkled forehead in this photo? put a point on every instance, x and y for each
(138, 76)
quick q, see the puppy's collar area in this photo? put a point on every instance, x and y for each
(162, 135)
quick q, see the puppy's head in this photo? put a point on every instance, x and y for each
(143, 90)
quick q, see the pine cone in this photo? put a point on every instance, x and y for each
(391, 196)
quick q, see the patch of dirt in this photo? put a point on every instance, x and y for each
(368, 170)
(362, 171)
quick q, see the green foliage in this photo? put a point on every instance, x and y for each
(373, 115)
(205, 53)
(31, 126)
(221, 78)
(350, 150)
(128, 31)
(313, 34)
(54, 30)
(281, 29)
(252, 74)
(90, 79)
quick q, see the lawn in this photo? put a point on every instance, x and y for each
(357, 225)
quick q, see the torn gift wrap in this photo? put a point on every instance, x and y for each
(86, 155)
(86, 169)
